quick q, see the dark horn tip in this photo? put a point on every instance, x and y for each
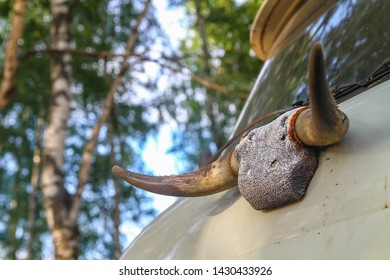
(317, 56)
(317, 52)
(317, 46)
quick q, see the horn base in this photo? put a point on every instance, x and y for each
(313, 133)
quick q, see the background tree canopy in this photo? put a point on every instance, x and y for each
(102, 76)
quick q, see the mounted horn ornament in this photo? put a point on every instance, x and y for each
(324, 124)
(273, 164)
(217, 176)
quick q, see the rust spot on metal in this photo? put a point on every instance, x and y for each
(291, 129)
(244, 136)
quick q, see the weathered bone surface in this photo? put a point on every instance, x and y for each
(274, 169)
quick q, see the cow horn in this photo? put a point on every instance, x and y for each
(322, 124)
(217, 176)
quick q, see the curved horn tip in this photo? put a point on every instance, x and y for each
(323, 124)
(215, 177)
(317, 47)
(316, 67)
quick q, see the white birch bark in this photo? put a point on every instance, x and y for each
(58, 202)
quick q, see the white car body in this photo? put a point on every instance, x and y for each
(344, 214)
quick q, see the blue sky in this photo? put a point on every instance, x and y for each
(155, 154)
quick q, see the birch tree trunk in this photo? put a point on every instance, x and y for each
(58, 201)
(62, 209)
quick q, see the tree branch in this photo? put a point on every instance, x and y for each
(117, 196)
(73, 52)
(7, 87)
(207, 83)
(217, 87)
(212, 108)
(35, 180)
(90, 146)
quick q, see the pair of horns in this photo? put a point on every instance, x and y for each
(322, 124)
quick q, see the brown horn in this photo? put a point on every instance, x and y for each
(215, 177)
(322, 124)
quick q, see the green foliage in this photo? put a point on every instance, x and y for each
(104, 25)
(229, 62)
(227, 27)
(95, 27)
